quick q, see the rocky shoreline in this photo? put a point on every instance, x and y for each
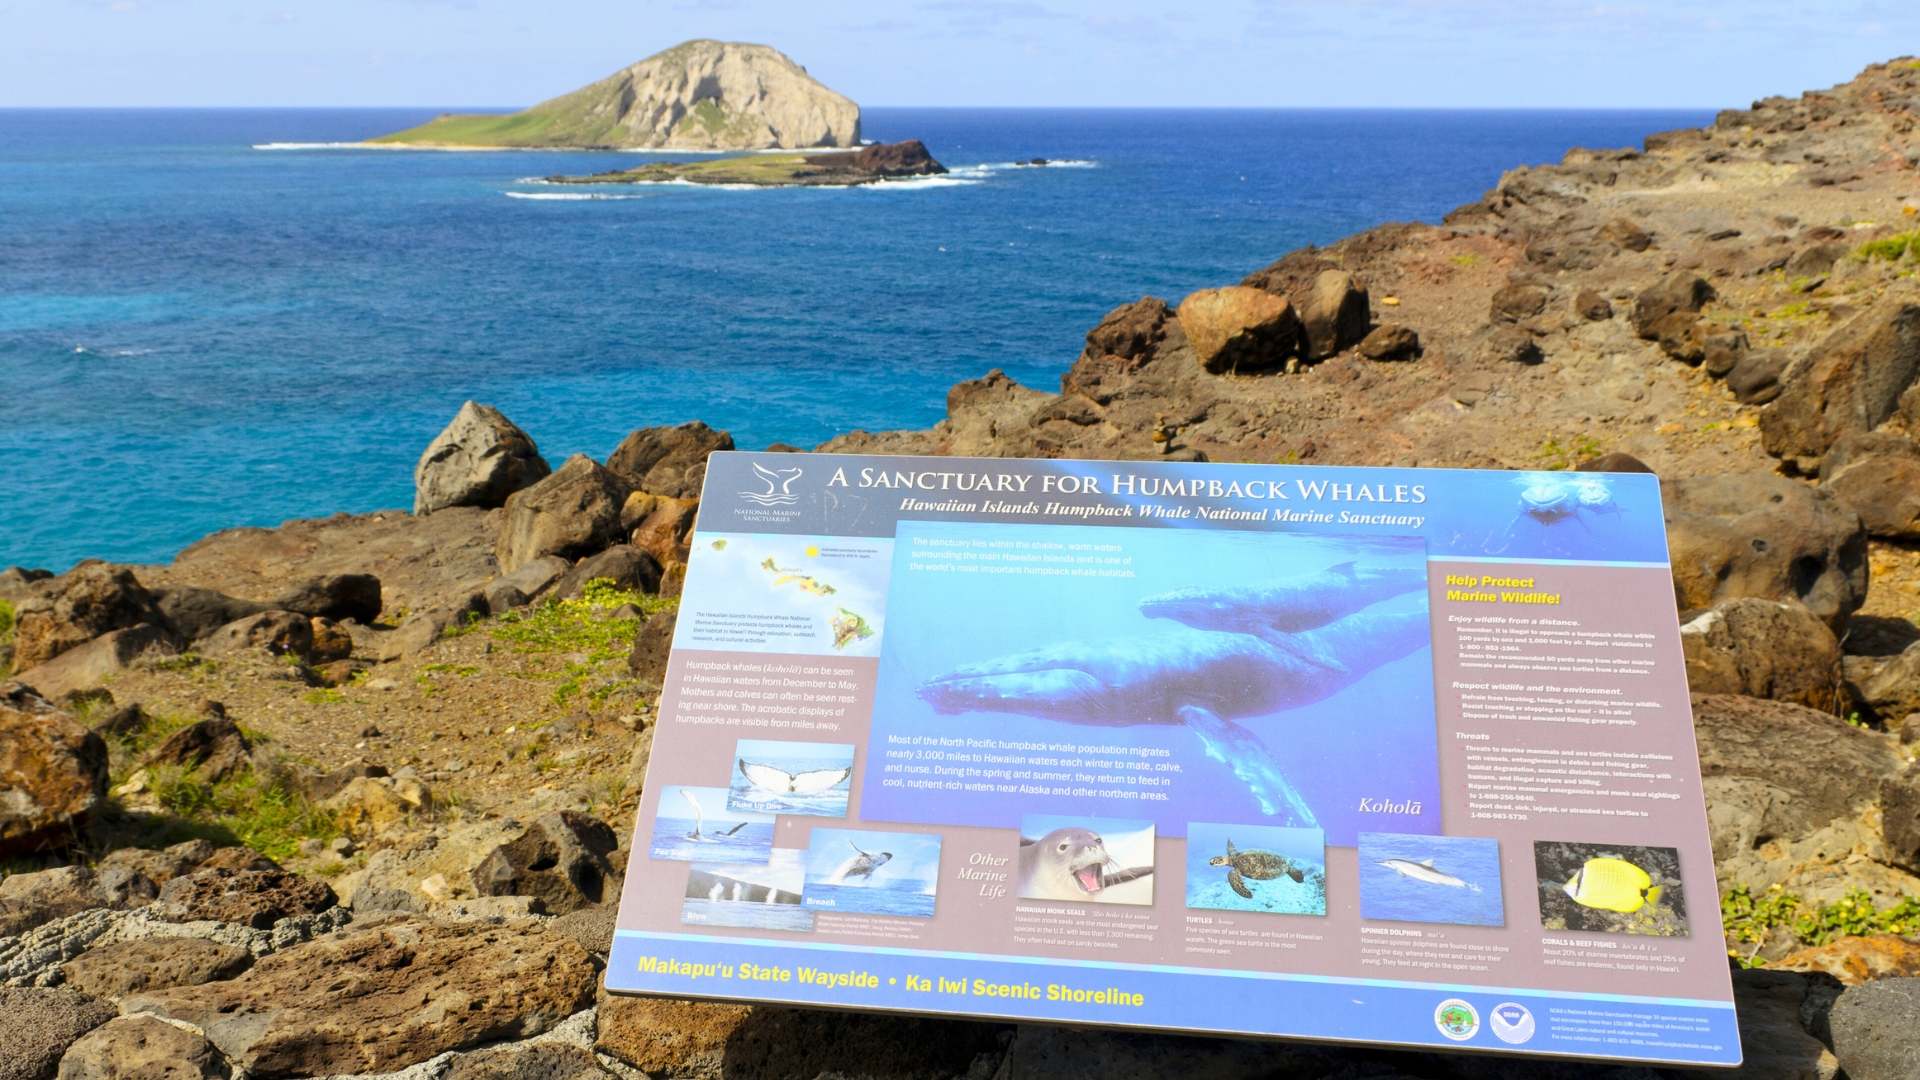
(347, 796)
(868, 165)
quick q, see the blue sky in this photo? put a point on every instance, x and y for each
(1598, 53)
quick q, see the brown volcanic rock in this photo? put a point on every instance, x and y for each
(213, 749)
(387, 992)
(1878, 474)
(1240, 330)
(1335, 313)
(41, 1025)
(1764, 648)
(561, 859)
(1778, 771)
(906, 158)
(1764, 536)
(153, 964)
(142, 1048)
(539, 1061)
(87, 667)
(34, 899)
(1857, 960)
(334, 596)
(256, 898)
(53, 770)
(1852, 383)
(82, 604)
(423, 563)
(670, 461)
(668, 1036)
(478, 460)
(573, 513)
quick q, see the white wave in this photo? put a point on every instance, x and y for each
(1068, 163)
(567, 196)
(916, 183)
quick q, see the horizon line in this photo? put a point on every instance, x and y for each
(507, 110)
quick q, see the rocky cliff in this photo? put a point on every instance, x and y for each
(292, 754)
(698, 95)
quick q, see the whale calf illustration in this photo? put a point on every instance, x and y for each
(1201, 679)
(1290, 605)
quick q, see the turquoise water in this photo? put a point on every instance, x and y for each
(197, 334)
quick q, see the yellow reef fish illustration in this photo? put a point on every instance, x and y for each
(1612, 885)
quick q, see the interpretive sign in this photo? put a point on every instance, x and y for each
(1396, 756)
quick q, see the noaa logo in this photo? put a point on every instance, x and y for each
(1511, 1023)
(1456, 1020)
(779, 486)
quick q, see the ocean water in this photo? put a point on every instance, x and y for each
(196, 334)
(753, 843)
(897, 896)
(757, 916)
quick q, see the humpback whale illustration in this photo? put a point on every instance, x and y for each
(698, 835)
(862, 865)
(779, 484)
(1289, 605)
(1202, 679)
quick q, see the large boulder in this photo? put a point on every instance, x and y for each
(1334, 312)
(1885, 688)
(35, 899)
(626, 566)
(1851, 383)
(282, 633)
(193, 612)
(479, 460)
(1389, 342)
(41, 1025)
(561, 859)
(660, 525)
(1878, 474)
(1873, 1028)
(142, 1048)
(154, 963)
(1518, 302)
(664, 1036)
(648, 659)
(89, 666)
(1777, 773)
(162, 865)
(1765, 536)
(84, 603)
(370, 805)
(256, 898)
(211, 750)
(573, 513)
(1237, 330)
(668, 1036)
(524, 585)
(333, 596)
(1774, 1042)
(668, 460)
(53, 774)
(1675, 301)
(1763, 648)
(385, 993)
(1131, 332)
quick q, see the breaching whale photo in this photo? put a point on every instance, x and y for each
(1279, 678)
(865, 872)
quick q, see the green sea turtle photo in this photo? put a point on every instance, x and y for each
(1256, 864)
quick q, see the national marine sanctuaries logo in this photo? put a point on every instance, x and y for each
(779, 486)
(1456, 1019)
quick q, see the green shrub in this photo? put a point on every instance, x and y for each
(1893, 248)
(587, 632)
(1750, 920)
(6, 620)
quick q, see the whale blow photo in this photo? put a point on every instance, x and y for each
(1167, 674)
(748, 894)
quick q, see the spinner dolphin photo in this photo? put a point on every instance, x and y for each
(1276, 678)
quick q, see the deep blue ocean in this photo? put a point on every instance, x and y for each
(195, 333)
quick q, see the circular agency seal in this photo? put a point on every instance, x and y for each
(1456, 1019)
(1511, 1022)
